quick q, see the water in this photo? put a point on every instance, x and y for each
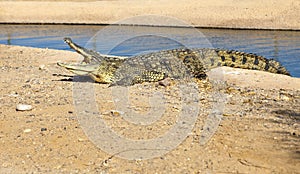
(283, 46)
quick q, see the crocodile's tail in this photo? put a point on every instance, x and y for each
(248, 61)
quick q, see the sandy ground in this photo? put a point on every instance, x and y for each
(259, 131)
(267, 14)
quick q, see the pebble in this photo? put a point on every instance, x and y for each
(41, 67)
(81, 140)
(284, 97)
(116, 113)
(14, 94)
(23, 107)
(165, 82)
(27, 130)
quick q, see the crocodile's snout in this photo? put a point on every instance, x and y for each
(67, 40)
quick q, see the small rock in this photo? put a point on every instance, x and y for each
(43, 129)
(23, 107)
(116, 113)
(226, 114)
(14, 94)
(81, 139)
(27, 130)
(165, 82)
(42, 67)
(284, 97)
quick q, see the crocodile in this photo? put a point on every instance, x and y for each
(155, 66)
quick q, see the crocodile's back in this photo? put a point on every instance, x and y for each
(184, 63)
(151, 67)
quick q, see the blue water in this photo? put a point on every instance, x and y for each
(283, 46)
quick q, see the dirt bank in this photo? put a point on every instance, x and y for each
(269, 14)
(259, 131)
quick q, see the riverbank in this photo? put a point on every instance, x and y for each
(270, 14)
(259, 131)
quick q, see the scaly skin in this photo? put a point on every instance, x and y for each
(176, 64)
